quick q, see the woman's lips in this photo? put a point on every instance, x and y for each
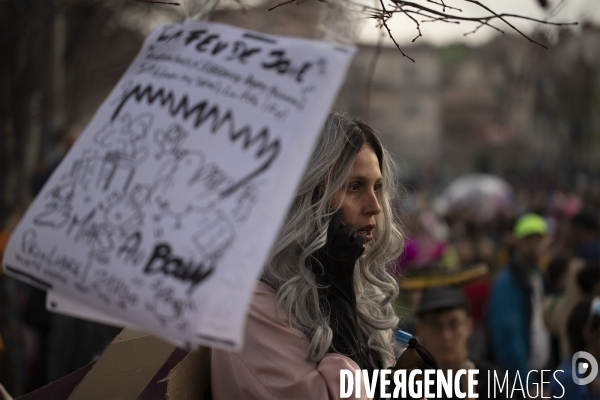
(368, 234)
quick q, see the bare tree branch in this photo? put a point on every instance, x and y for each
(502, 17)
(479, 27)
(384, 18)
(444, 6)
(415, 8)
(418, 25)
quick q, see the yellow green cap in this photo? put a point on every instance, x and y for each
(530, 224)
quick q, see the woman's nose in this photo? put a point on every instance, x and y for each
(372, 206)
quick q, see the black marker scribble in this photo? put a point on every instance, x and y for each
(210, 42)
(98, 235)
(124, 211)
(116, 172)
(111, 288)
(84, 170)
(100, 238)
(125, 135)
(175, 176)
(169, 140)
(59, 208)
(130, 250)
(94, 256)
(202, 111)
(216, 234)
(163, 261)
(188, 174)
(244, 203)
(211, 179)
(124, 141)
(167, 307)
(282, 64)
(259, 37)
(62, 263)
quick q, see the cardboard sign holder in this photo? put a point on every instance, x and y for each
(139, 366)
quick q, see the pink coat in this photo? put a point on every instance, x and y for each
(273, 363)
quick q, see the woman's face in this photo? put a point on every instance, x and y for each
(359, 197)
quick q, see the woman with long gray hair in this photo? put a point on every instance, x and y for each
(324, 302)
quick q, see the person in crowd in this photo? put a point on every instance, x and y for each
(582, 283)
(585, 236)
(584, 335)
(556, 274)
(519, 340)
(589, 279)
(324, 302)
(445, 324)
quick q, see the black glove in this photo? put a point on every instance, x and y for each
(339, 255)
(333, 266)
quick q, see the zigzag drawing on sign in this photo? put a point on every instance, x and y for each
(259, 143)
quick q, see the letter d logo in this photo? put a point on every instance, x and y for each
(583, 367)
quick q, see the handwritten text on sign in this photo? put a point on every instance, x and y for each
(164, 212)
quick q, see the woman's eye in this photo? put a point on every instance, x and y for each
(377, 187)
(353, 187)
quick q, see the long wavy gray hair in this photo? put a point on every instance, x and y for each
(305, 231)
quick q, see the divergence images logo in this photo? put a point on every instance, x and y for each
(581, 368)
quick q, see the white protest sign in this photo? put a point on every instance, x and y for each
(62, 304)
(163, 213)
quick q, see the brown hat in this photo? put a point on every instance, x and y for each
(441, 297)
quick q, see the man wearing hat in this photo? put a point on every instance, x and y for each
(445, 324)
(519, 339)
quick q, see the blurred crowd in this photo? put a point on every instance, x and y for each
(505, 278)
